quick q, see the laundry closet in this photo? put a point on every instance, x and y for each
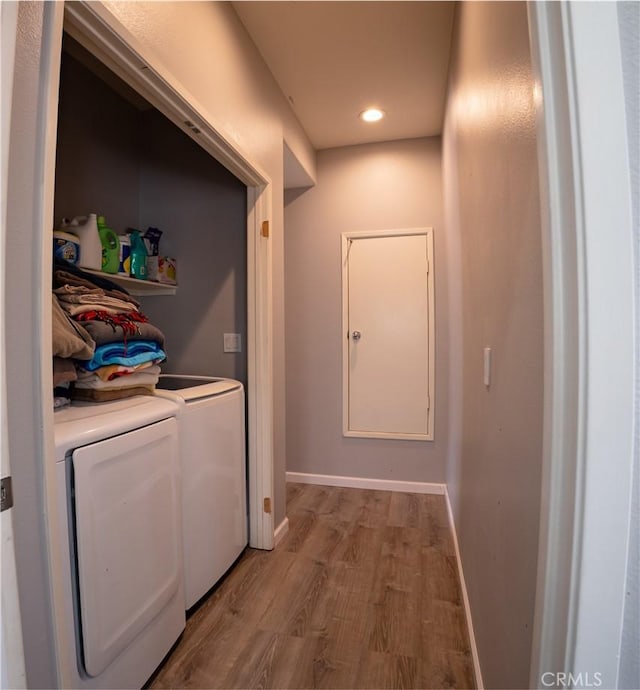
(152, 493)
(119, 157)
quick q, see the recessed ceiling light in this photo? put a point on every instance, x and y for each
(371, 115)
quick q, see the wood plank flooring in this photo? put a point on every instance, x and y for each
(362, 592)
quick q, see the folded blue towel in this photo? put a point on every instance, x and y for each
(129, 354)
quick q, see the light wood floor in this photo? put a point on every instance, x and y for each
(362, 592)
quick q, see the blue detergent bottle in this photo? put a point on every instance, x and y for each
(138, 256)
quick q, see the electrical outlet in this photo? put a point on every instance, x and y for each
(232, 342)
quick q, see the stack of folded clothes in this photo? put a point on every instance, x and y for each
(70, 342)
(128, 349)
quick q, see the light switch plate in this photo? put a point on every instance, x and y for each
(232, 342)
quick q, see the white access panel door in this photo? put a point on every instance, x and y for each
(388, 324)
(129, 558)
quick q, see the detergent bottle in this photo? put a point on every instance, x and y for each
(138, 256)
(86, 230)
(124, 255)
(110, 247)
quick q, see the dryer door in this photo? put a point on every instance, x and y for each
(128, 536)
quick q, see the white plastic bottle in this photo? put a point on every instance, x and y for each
(86, 228)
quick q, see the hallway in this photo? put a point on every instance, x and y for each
(362, 592)
(531, 188)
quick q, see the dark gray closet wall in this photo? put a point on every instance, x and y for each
(119, 157)
(98, 156)
(201, 209)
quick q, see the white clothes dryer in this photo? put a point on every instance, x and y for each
(214, 491)
(119, 541)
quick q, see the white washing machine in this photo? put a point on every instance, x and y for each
(213, 460)
(118, 487)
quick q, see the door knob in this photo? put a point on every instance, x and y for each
(356, 335)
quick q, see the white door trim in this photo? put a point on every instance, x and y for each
(259, 369)
(589, 358)
(12, 668)
(346, 239)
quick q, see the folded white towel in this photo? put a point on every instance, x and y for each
(145, 377)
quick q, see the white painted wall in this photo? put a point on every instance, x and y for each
(359, 188)
(493, 218)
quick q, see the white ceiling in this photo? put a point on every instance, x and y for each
(334, 59)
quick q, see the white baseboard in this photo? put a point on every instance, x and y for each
(280, 532)
(465, 596)
(363, 483)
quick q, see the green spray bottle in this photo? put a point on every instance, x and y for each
(138, 256)
(110, 245)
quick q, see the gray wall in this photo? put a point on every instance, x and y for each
(138, 169)
(98, 157)
(207, 50)
(629, 20)
(370, 187)
(491, 176)
(201, 209)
